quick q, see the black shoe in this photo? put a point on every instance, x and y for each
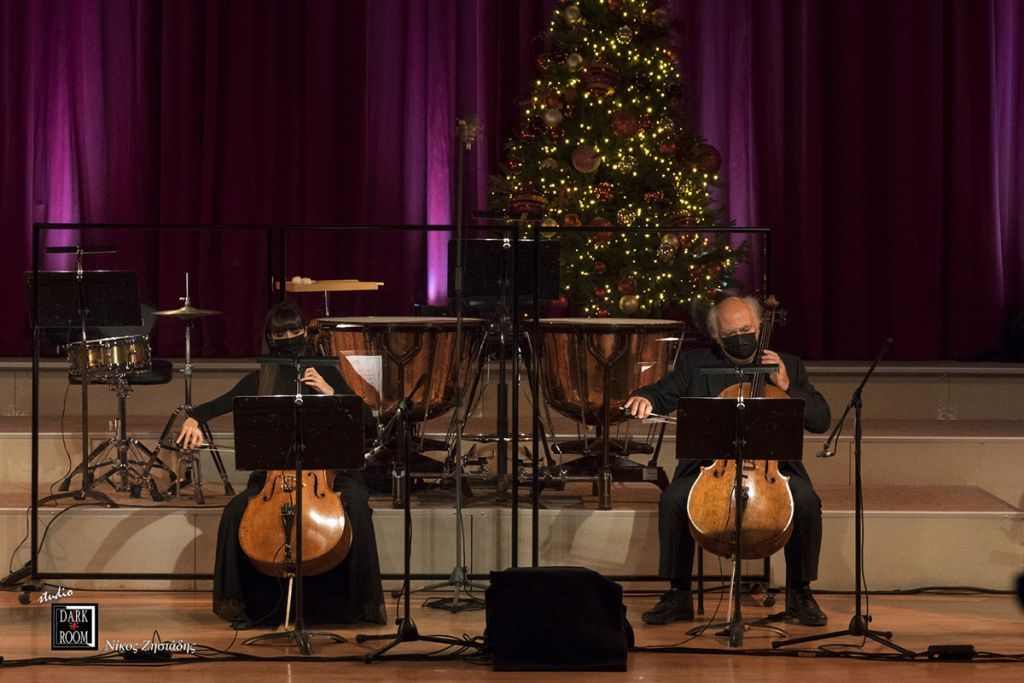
(802, 607)
(675, 605)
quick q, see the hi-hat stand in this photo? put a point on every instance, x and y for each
(859, 623)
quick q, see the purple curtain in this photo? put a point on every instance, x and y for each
(881, 141)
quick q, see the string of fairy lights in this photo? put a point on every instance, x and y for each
(603, 145)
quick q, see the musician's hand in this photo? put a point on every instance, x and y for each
(638, 407)
(780, 378)
(190, 435)
(313, 379)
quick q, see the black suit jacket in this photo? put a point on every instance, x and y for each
(685, 380)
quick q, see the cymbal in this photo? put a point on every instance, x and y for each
(188, 312)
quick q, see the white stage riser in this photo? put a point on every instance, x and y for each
(995, 466)
(903, 550)
(899, 393)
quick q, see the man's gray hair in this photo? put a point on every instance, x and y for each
(750, 301)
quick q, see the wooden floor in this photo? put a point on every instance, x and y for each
(991, 623)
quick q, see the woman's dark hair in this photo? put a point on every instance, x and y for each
(282, 317)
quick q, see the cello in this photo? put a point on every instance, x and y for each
(768, 507)
(267, 529)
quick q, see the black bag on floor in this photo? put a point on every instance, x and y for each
(556, 619)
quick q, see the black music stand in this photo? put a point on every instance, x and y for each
(295, 433)
(83, 299)
(749, 429)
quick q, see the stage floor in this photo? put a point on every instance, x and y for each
(991, 623)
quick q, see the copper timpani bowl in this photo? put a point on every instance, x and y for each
(395, 354)
(589, 366)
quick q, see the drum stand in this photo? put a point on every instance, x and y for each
(125, 467)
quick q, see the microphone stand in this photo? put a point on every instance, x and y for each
(407, 631)
(859, 623)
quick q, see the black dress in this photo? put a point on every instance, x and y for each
(349, 593)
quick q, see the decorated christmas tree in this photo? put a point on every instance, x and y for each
(602, 144)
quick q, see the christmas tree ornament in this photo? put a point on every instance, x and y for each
(574, 61)
(615, 4)
(601, 222)
(572, 14)
(659, 17)
(670, 238)
(627, 285)
(568, 111)
(601, 313)
(601, 79)
(549, 222)
(666, 251)
(603, 191)
(624, 34)
(553, 101)
(585, 158)
(625, 123)
(552, 117)
(667, 147)
(600, 268)
(655, 195)
(571, 220)
(644, 121)
(667, 124)
(625, 217)
(629, 304)
(707, 157)
(628, 163)
(603, 237)
(548, 164)
(569, 94)
(713, 268)
(600, 293)
(682, 219)
(527, 201)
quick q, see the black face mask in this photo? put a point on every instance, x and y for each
(740, 346)
(292, 346)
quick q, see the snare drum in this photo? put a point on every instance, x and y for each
(109, 357)
(384, 359)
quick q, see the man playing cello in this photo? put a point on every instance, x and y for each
(734, 325)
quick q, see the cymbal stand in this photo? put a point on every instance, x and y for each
(187, 407)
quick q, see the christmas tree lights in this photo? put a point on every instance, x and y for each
(602, 144)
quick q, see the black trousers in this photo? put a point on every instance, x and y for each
(678, 547)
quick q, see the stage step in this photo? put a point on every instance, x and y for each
(914, 536)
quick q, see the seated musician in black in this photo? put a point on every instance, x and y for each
(734, 324)
(349, 593)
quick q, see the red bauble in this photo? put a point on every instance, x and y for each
(553, 101)
(627, 286)
(615, 4)
(625, 123)
(601, 222)
(603, 190)
(713, 268)
(707, 157)
(667, 147)
(602, 237)
(643, 121)
(601, 313)
(601, 80)
(527, 201)
(558, 307)
(571, 220)
(599, 269)
(569, 95)
(655, 195)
